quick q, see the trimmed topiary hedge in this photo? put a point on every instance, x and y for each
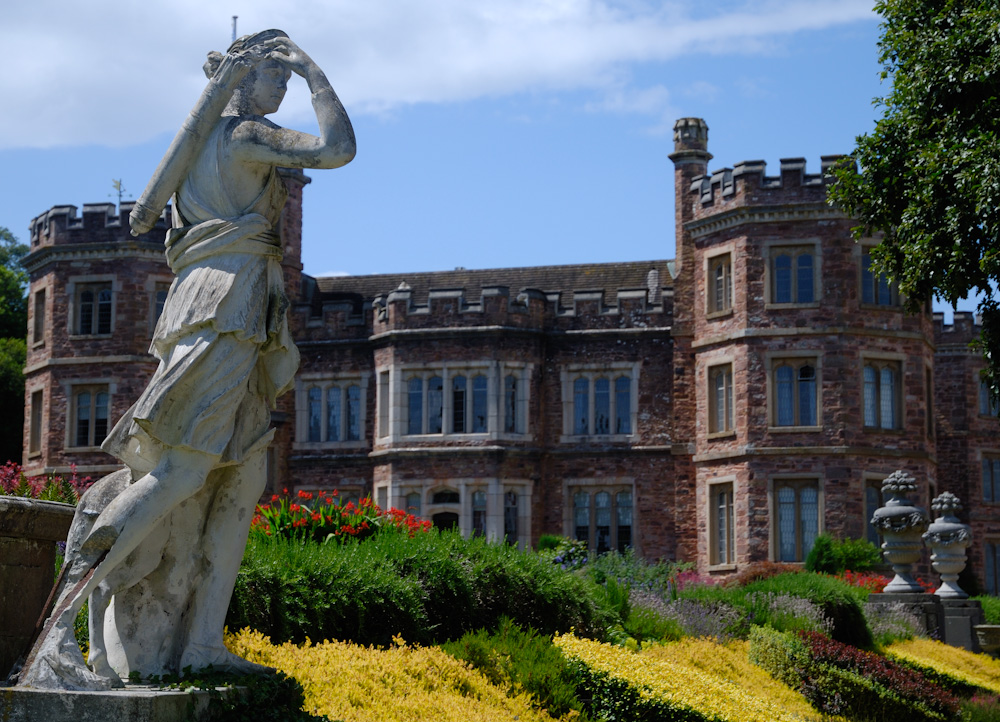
(428, 588)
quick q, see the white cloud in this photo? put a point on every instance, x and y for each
(116, 72)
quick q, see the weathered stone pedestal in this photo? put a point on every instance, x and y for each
(960, 616)
(29, 530)
(135, 703)
(925, 607)
(951, 620)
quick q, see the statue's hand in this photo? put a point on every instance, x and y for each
(292, 57)
(232, 70)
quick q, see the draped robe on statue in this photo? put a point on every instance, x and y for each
(225, 354)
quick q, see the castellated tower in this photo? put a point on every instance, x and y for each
(806, 382)
(96, 293)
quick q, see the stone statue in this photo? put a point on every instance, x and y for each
(157, 546)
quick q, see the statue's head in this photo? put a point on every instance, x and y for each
(263, 88)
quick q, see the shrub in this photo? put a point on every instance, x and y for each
(648, 618)
(520, 661)
(730, 662)
(841, 680)
(833, 556)
(782, 655)
(715, 619)
(322, 518)
(864, 580)
(50, 487)
(620, 685)
(758, 571)
(636, 572)
(838, 602)
(981, 708)
(397, 684)
(892, 622)
(908, 685)
(433, 587)
(958, 668)
(991, 608)
(548, 542)
(788, 613)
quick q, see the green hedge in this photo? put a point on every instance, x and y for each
(838, 601)
(521, 660)
(433, 587)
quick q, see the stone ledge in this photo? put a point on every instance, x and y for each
(135, 703)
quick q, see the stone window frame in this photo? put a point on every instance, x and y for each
(347, 490)
(396, 493)
(878, 362)
(989, 465)
(726, 426)
(871, 481)
(73, 389)
(719, 281)
(571, 373)
(988, 405)
(797, 359)
(38, 322)
(715, 488)
(395, 401)
(895, 300)
(797, 482)
(773, 249)
(155, 284)
(36, 421)
(991, 564)
(325, 381)
(75, 286)
(593, 486)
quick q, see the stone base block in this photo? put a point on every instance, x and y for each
(135, 703)
(927, 607)
(960, 616)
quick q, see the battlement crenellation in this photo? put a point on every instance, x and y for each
(98, 223)
(747, 183)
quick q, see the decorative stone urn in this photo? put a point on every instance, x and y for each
(989, 638)
(901, 525)
(948, 539)
(29, 530)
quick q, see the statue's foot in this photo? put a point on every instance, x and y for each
(97, 660)
(58, 664)
(199, 656)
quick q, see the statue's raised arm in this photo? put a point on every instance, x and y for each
(249, 81)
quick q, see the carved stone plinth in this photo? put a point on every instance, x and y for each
(29, 530)
(135, 703)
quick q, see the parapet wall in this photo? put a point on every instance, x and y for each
(748, 183)
(528, 309)
(99, 223)
(963, 330)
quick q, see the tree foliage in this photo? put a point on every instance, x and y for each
(928, 176)
(13, 287)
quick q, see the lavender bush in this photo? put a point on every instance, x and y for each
(787, 613)
(890, 622)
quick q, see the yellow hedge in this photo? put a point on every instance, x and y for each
(730, 663)
(976, 669)
(658, 674)
(409, 684)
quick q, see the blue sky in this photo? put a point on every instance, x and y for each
(491, 133)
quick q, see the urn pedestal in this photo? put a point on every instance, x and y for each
(29, 530)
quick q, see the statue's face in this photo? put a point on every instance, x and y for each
(269, 86)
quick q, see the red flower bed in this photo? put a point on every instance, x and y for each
(906, 683)
(865, 580)
(49, 487)
(322, 518)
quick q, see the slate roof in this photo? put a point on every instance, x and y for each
(609, 277)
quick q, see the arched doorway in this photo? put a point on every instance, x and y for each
(445, 520)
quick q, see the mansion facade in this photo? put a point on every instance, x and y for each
(722, 407)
